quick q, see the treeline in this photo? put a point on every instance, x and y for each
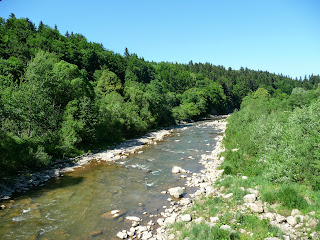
(61, 95)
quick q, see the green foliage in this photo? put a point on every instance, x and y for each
(61, 95)
(204, 231)
(277, 140)
(108, 82)
(288, 195)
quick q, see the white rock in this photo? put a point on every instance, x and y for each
(292, 221)
(285, 237)
(146, 236)
(122, 235)
(185, 201)
(169, 221)
(177, 169)
(134, 224)
(295, 212)
(176, 192)
(115, 212)
(186, 218)
(226, 228)
(199, 220)
(250, 198)
(244, 177)
(160, 221)
(214, 219)
(313, 223)
(132, 218)
(270, 216)
(280, 219)
(209, 190)
(255, 208)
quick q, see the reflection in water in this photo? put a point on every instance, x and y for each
(77, 205)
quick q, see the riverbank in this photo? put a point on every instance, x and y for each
(25, 182)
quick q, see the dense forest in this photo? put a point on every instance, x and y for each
(61, 95)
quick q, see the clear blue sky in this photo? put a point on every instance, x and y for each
(281, 36)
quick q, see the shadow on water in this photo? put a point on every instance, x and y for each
(52, 184)
(66, 181)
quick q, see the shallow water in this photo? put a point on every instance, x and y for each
(75, 206)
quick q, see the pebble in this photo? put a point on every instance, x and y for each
(250, 198)
(292, 221)
(214, 219)
(255, 208)
(133, 218)
(122, 235)
(186, 218)
(226, 228)
(295, 212)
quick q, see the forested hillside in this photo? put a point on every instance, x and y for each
(61, 95)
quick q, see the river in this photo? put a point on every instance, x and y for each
(76, 206)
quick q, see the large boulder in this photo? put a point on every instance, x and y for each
(176, 192)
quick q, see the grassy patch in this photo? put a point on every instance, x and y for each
(253, 226)
(287, 195)
(204, 232)
(206, 208)
(260, 228)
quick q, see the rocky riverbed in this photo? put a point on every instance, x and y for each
(173, 212)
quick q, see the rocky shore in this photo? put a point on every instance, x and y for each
(25, 182)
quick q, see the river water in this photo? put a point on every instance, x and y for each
(76, 206)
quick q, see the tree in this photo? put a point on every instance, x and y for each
(108, 82)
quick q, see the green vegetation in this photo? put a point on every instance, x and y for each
(243, 225)
(278, 147)
(61, 96)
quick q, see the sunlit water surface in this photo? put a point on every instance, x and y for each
(72, 207)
